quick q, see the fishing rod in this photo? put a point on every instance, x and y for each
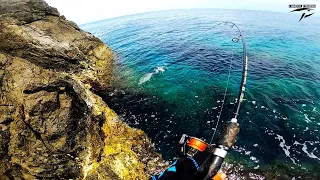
(201, 160)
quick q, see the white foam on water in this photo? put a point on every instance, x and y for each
(253, 102)
(243, 151)
(305, 149)
(253, 158)
(285, 147)
(306, 118)
(160, 69)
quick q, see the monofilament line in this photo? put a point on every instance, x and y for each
(224, 98)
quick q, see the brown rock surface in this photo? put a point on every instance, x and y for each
(52, 125)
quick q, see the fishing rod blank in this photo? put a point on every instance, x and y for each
(231, 129)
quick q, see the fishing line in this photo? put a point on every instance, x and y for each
(239, 99)
(243, 79)
(244, 75)
(224, 98)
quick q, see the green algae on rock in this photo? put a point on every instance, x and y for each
(52, 124)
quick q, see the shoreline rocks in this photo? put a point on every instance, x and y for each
(52, 124)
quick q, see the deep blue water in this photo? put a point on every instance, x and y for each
(171, 71)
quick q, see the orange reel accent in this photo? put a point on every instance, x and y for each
(220, 176)
(197, 144)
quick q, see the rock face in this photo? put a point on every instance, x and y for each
(52, 124)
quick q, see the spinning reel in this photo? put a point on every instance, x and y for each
(189, 146)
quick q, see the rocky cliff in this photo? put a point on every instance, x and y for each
(52, 124)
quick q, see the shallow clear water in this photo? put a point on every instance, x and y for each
(172, 68)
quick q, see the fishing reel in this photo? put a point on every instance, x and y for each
(209, 157)
(200, 160)
(189, 146)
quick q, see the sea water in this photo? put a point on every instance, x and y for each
(171, 73)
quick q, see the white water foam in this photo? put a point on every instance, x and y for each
(160, 69)
(306, 118)
(243, 151)
(305, 149)
(285, 147)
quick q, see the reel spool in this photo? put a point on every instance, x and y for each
(189, 146)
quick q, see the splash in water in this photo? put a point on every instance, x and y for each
(146, 77)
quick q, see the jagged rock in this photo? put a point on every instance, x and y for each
(52, 125)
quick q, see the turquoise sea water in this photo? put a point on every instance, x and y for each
(171, 71)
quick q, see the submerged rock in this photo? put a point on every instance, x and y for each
(52, 124)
